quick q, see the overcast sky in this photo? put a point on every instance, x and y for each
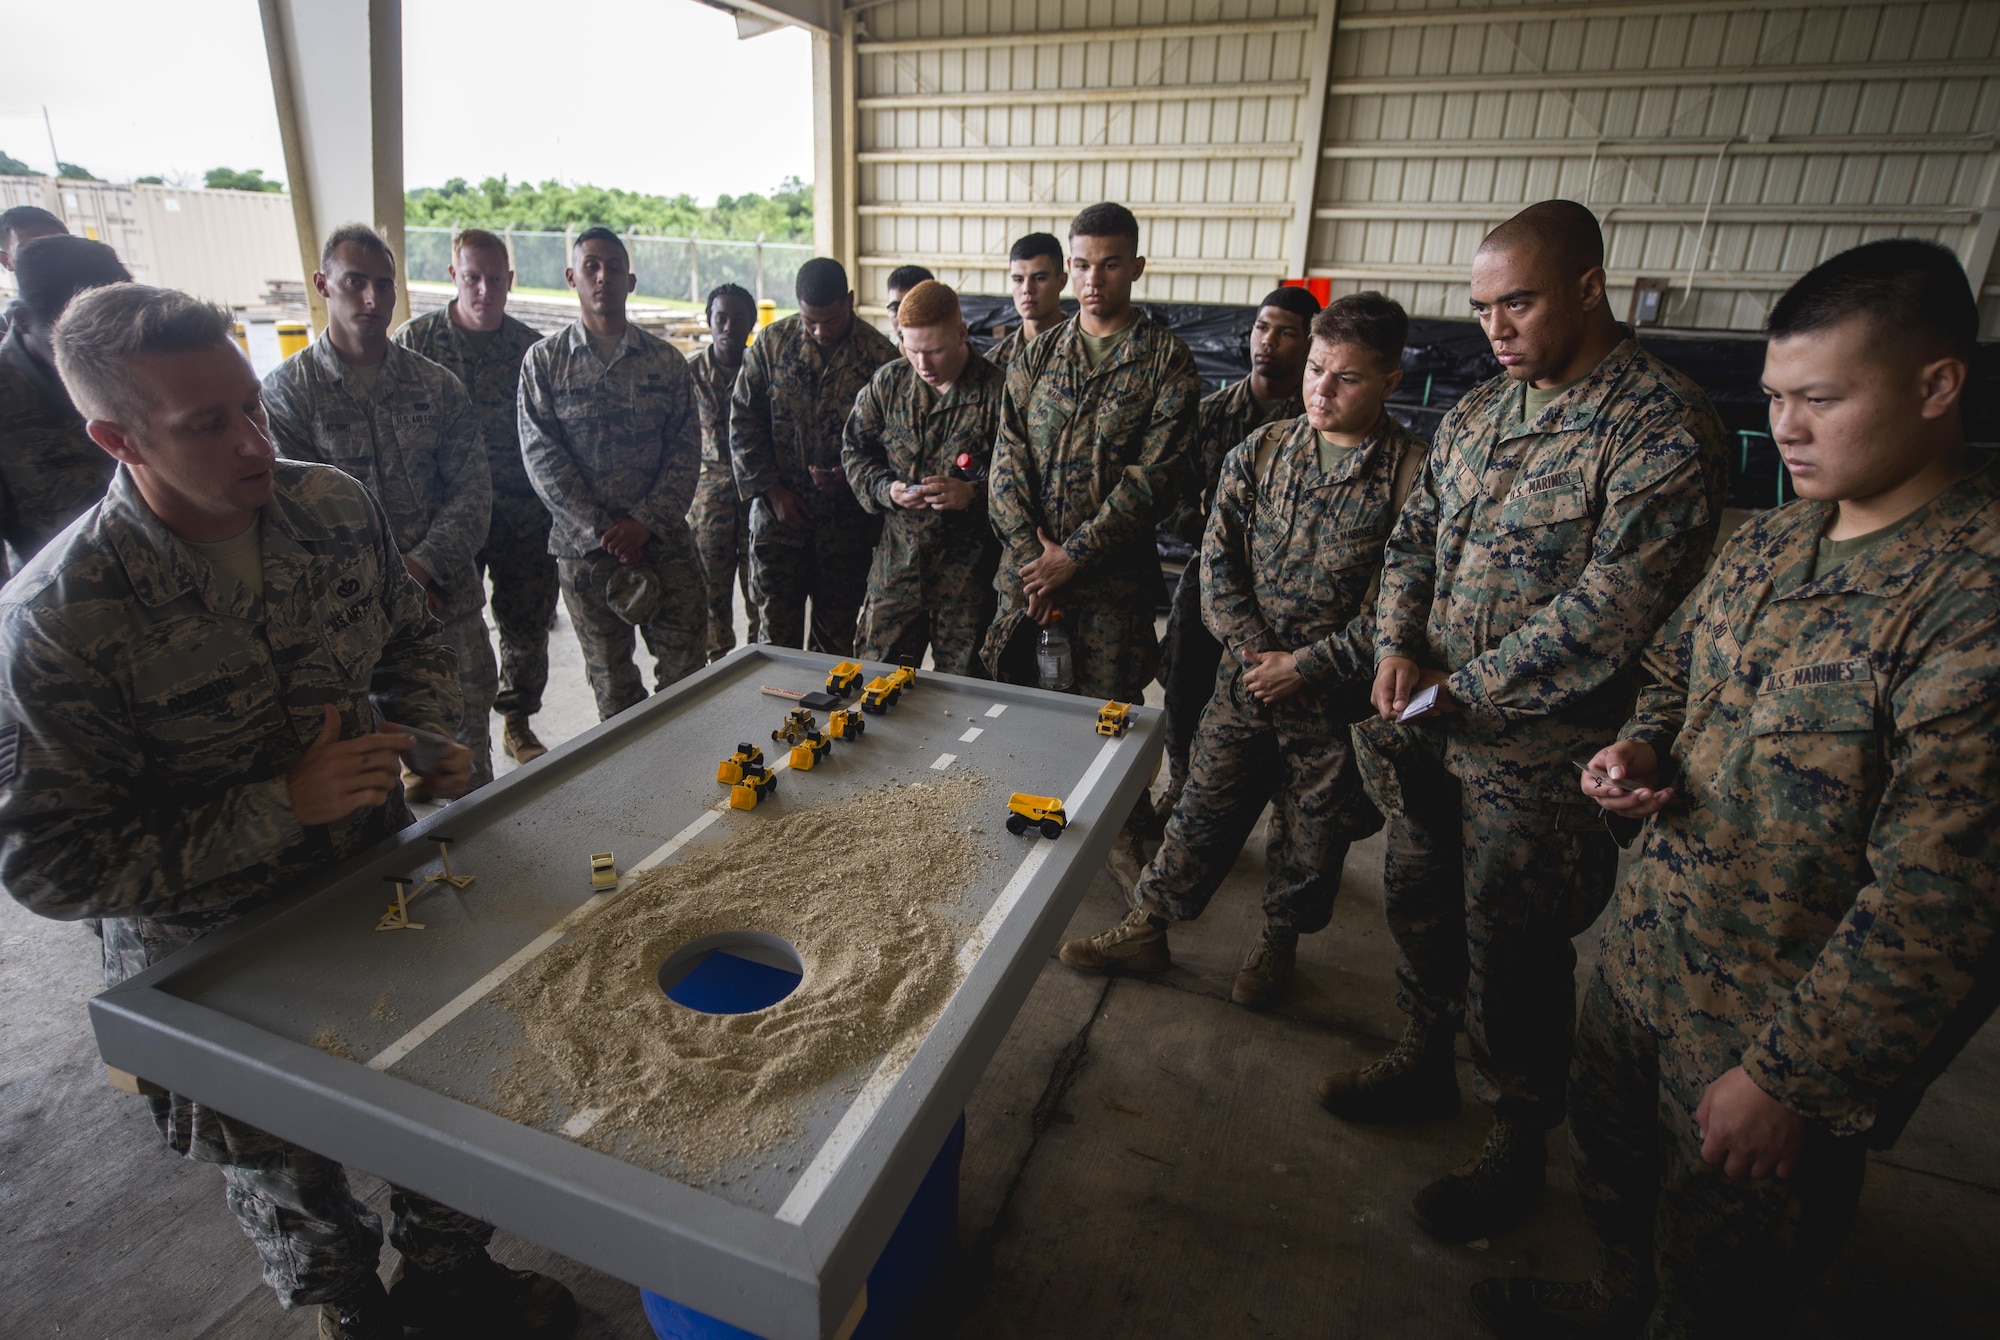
(649, 95)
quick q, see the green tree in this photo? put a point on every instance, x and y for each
(149, 181)
(71, 172)
(11, 166)
(229, 179)
(498, 203)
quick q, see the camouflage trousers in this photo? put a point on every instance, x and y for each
(677, 635)
(826, 565)
(1189, 656)
(947, 606)
(1114, 652)
(478, 682)
(318, 1242)
(517, 559)
(1246, 754)
(1483, 895)
(1715, 1258)
(721, 526)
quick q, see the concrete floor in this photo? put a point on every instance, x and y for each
(1142, 1159)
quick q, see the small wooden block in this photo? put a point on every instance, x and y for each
(127, 1082)
(854, 1315)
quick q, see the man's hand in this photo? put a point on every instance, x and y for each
(1746, 1132)
(1399, 679)
(1635, 768)
(1042, 608)
(949, 495)
(450, 770)
(829, 479)
(1273, 676)
(792, 511)
(1049, 573)
(338, 777)
(433, 598)
(911, 497)
(626, 540)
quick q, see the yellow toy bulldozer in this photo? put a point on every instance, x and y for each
(748, 780)
(1043, 812)
(731, 770)
(845, 724)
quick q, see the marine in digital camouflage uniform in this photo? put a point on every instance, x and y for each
(412, 437)
(153, 711)
(719, 518)
(516, 553)
(607, 442)
(787, 414)
(1091, 457)
(1036, 276)
(931, 580)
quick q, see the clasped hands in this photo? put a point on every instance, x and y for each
(337, 777)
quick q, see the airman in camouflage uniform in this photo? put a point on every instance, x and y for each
(787, 414)
(413, 439)
(50, 470)
(1091, 457)
(931, 581)
(609, 442)
(1538, 555)
(1806, 940)
(516, 552)
(719, 518)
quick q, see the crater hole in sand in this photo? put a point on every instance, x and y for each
(732, 972)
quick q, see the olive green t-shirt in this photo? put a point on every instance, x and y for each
(1095, 347)
(480, 340)
(240, 557)
(1832, 553)
(1329, 452)
(1534, 400)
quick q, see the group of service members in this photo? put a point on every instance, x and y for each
(1509, 647)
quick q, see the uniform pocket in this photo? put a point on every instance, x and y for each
(1543, 536)
(1818, 758)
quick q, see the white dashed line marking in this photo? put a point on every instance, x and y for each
(944, 761)
(996, 709)
(580, 1124)
(971, 733)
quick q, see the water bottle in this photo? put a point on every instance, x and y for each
(1052, 660)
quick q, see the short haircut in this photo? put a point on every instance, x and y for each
(906, 277)
(53, 270)
(105, 327)
(1036, 245)
(929, 303)
(29, 219)
(1561, 229)
(1291, 298)
(1915, 292)
(822, 282)
(729, 291)
(479, 239)
(1105, 220)
(1370, 320)
(597, 232)
(355, 234)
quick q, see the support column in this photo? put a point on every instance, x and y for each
(337, 81)
(1312, 131)
(1982, 238)
(834, 215)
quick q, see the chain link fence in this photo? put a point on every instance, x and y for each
(667, 267)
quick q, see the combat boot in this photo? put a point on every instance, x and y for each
(482, 1298)
(1127, 860)
(1136, 944)
(518, 738)
(1267, 974)
(1530, 1309)
(368, 1317)
(1417, 1081)
(1491, 1194)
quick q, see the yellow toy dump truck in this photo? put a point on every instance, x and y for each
(844, 724)
(1044, 812)
(844, 678)
(1113, 718)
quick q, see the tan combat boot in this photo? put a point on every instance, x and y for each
(1267, 974)
(1417, 1081)
(519, 740)
(1136, 944)
(1491, 1194)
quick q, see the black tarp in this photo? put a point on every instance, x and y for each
(1445, 359)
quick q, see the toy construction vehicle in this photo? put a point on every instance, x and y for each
(799, 725)
(733, 769)
(883, 691)
(845, 724)
(1114, 718)
(844, 678)
(603, 871)
(1044, 812)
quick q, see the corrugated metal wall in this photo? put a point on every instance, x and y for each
(980, 121)
(226, 246)
(1728, 144)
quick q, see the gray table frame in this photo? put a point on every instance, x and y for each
(776, 1279)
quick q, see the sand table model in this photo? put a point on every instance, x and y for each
(863, 892)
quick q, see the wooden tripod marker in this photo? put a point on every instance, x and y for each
(397, 918)
(444, 859)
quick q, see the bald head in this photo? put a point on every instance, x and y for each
(1560, 232)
